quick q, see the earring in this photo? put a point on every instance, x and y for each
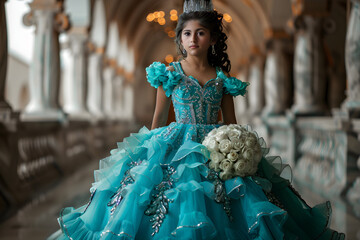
(213, 50)
(182, 49)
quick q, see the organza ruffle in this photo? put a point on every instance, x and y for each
(233, 86)
(165, 169)
(192, 210)
(158, 75)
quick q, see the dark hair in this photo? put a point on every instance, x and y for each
(212, 21)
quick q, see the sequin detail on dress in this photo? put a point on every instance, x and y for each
(159, 205)
(118, 197)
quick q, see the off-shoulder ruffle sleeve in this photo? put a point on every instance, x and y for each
(158, 75)
(234, 86)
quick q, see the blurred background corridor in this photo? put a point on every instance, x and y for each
(73, 83)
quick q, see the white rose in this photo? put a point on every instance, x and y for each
(223, 128)
(226, 165)
(234, 134)
(242, 167)
(232, 156)
(225, 146)
(220, 136)
(212, 132)
(251, 140)
(236, 144)
(206, 142)
(249, 154)
(214, 166)
(213, 145)
(216, 157)
(226, 175)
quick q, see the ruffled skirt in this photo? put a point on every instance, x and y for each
(156, 185)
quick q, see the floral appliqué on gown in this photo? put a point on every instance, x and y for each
(156, 184)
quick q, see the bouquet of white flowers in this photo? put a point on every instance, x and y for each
(234, 151)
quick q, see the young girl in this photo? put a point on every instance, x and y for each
(156, 184)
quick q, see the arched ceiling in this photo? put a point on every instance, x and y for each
(251, 20)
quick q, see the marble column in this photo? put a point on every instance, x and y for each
(3, 56)
(309, 68)
(109, 89)
(110, 70)
(129, 102)
(45, 66)
(256, 89)
(95, 77)
(275, 79)
(95, 67)
(76, 84)
(352, 58)
(119, 97)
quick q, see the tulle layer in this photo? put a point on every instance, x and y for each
(156, 185)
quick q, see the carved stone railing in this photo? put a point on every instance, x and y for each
(281, 136)
(326, 153)
(36, 155)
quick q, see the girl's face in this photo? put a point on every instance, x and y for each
(196, 39)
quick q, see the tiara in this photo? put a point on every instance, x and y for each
(198, 6)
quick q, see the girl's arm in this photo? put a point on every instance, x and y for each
(161, 109)
(227, 108)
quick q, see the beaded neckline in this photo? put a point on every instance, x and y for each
(179, 67)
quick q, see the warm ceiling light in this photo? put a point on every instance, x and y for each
(171, 34)
(157, 14)
(161, 14)
(227, 17)
(161, 21)
(174, 18)
(173, 12)
(150, 17)
(169, 58)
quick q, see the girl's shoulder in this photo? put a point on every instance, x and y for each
(232, 85)
(158, 74)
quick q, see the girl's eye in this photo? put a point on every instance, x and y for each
(201, 33)
(186, 33)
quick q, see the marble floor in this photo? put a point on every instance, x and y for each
(37, 220)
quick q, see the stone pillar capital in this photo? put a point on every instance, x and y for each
(41, 9)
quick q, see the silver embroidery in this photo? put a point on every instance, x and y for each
(263, 213)
(63, 224)
(195, 104)
(116, 234)
(117, 197)
(220, 193)
(159, 205)
(91, 198)
(189, 226)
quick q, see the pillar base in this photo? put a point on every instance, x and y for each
(308, 110)
(271, 112)
(353, 105)
(78, 116)
(44, 115)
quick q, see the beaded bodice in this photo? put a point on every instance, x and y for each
(193, 103)
(196, 104)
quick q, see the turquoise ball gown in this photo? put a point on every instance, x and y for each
(156, 184)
